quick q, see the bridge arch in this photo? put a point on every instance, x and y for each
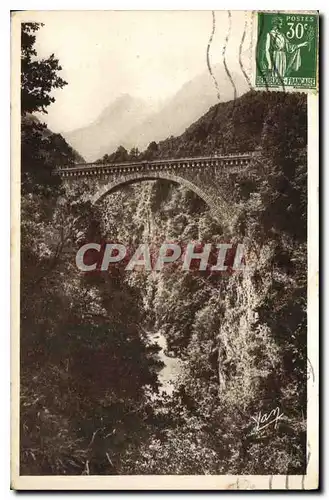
(218, 207)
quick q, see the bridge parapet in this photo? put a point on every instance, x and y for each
(176, 164)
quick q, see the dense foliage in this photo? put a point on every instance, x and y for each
(38, 76)
(41, 149)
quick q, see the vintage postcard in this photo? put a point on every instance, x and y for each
(165, 250)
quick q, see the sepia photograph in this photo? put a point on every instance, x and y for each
(164, 239)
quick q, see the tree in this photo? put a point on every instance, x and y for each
(38, 77)
(41, 150)
(134, 154)
(151, 151)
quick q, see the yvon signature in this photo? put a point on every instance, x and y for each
(266, 419)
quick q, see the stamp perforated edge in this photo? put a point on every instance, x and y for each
(283, 88)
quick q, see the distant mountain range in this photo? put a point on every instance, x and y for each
(106, 133)
(131, 122)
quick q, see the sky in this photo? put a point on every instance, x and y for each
(147, 54)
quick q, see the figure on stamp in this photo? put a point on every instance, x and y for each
(282, 56)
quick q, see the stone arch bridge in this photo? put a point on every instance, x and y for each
(211, 178)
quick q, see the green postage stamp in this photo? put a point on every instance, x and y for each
(287, 50)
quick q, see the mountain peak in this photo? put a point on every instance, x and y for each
(122, 104)
(131, 122)
(107, 131)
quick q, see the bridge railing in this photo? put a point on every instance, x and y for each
(93, 165)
